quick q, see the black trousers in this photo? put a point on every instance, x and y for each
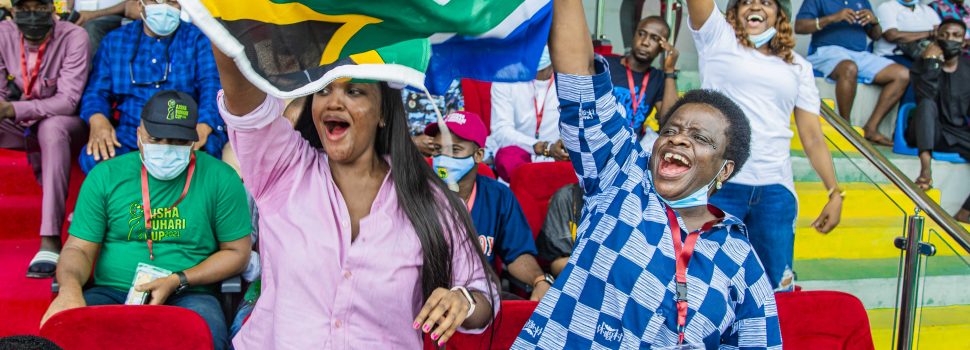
(929, 133)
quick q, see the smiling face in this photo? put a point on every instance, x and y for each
(756, 16)
(690, 151)
(346, 116)
(646, 41)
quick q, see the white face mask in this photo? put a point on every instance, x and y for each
(165, 162)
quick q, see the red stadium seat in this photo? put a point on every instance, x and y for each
(500, 335)
(535, 183)
(823, 320)
(478, 99)
(120, 327)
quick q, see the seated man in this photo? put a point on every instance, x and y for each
(136, 61)
(501, 225)
(420, 111)
(903, 23)
(840, 31)
(637, 86)
(38, 109)
(525, 122)
(555, 241)
(98, 17)
(940, 121)
(197, 223)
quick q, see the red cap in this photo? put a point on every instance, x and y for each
(466, 125)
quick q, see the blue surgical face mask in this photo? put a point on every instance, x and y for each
(162, 19)
(544, 60)
(763, 38)
(908, 3)
(165, 162)
(697, 198)
(451, 169)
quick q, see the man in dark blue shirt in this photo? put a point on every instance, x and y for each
(498, 218)
(637, 86)
(840, 31)
(138, 60)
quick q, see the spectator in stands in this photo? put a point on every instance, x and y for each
(498, 218)
(748, 55)
(199, 221)
(420, 111)
(27, 342)
(525, 122)
(558, 234)
(637, 86)
(953, 9)
(626, 285)
(98, 17)
(136, 61)
(414, 246)
(940, 121)
(907, 26)
(38, 109)
(840, 31)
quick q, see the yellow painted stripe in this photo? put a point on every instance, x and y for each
(289, 13)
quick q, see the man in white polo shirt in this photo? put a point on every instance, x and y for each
(904, 21)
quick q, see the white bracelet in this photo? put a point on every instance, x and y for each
(468, 296)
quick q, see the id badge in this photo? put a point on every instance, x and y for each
(695, 346)
(144, 273)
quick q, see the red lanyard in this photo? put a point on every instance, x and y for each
(471, 198)
(633, 95)
(31, 77)
(683, 255)
(535, 102)
(147, 202)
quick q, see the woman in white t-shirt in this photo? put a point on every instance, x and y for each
(748, 55)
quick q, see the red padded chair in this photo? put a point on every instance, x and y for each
(535, 183)
(500, 335)
(478, 99)
(823, 320)
(144, 327)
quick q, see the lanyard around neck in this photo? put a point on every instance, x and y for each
(147, 202)
(682, 253)
(30, 78)
(535, 102)
(633, 93)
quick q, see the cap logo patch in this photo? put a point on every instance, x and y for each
(456, 118)
(177, 111)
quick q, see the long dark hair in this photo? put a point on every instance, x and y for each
(418, 190)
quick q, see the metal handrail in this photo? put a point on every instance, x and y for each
(918, 196)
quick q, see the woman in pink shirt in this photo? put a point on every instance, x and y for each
(362, 245)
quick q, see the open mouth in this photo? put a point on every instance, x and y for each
(673, 165)
(335, 128)
(755, 20)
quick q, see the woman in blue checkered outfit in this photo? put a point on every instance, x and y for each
(654, 266)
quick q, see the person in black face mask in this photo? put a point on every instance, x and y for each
(47, 66)
(941, 121)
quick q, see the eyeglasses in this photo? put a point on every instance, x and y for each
(131, 65)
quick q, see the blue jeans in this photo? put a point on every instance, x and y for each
(769, 212)
(206, 305)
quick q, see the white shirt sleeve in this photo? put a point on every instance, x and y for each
(808, 98)
(886, 13)
(931, 15)
(503, 120)
(716, 33)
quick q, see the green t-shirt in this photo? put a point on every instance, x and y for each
(109, 212)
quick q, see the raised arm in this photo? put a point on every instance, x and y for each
(570, 46)
(699, 11)
(240, 95)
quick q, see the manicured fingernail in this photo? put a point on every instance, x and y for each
(441, 343)
(415, 325)
(427, 328)
(434, 336)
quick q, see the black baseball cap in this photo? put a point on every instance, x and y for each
(171, 114)
(17, 2)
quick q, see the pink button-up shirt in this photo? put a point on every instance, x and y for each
(319, 289)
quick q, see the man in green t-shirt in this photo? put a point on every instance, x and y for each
(199, 220)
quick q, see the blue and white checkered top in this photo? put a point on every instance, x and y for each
(617, 292)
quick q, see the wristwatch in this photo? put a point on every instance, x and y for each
(671, 75)
(183, 282)
(468, 296)
(544, 278)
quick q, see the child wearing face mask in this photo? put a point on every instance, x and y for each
(503, 231)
